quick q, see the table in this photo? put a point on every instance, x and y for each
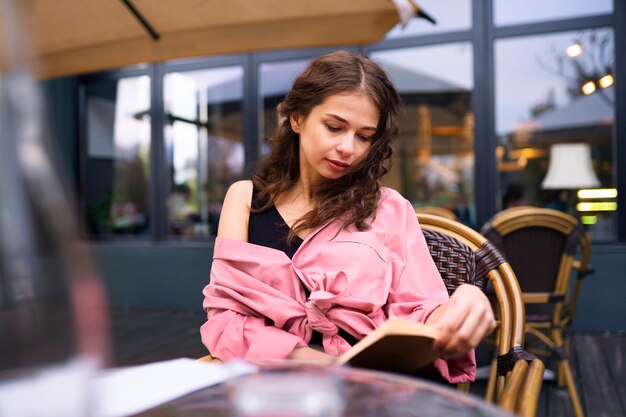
(335, 391)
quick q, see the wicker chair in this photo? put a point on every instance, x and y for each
(521, 392)
(437, 211)
(541, 245)
(462, 255)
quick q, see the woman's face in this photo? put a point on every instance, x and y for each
(335, 135)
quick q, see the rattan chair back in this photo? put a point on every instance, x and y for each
(437, 211)
(541, 245)
(463, 255)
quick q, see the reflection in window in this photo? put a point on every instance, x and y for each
(117, 156)
(204, 145)
(449, 14)
(434, 162)
(507, 12)
(275, 80)
(558, 90)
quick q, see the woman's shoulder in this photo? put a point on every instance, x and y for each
(235, 211)
(391, 197)
(392, 209)
(241, 189)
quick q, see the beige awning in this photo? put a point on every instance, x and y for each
(77, 36)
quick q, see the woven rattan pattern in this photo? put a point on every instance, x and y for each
(455, 261)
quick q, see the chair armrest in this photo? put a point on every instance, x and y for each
(507, 362)
(529, 393)
(208, 358)
(583, 273)
(513, 385)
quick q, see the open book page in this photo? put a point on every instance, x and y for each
(398, 345)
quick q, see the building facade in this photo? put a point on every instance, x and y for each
(488, 92)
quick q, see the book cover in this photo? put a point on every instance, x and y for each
(398, 345)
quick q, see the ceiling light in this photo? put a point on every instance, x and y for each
(598, 193)
(606, 81)
(588, 88)
(597, 206)
(574, 50)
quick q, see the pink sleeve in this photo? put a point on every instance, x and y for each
(246, 317)
(229, 335)
(418, 288)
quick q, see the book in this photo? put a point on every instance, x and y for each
(398, 345)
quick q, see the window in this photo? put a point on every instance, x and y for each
(507, 12)
(275, 80)
(558, 90)
(434, 159)
(117, 157)
(204, 146)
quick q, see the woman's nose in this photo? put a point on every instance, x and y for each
(346, 146)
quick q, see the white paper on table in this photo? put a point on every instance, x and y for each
(56, 390)
(126, 391)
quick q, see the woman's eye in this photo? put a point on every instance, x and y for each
(364, 138)
(333, 128)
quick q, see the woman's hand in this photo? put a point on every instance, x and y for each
(463, 321)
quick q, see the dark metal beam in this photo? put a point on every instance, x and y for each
(553, 26)
(142, 20)
(619, 137)
(486, 177)
(158, 160)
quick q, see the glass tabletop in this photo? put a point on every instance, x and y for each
(309, 391)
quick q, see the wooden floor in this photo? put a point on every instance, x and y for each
(147, 336)
(598, 360)
(599, 366)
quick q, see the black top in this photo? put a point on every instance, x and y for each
(268, 228)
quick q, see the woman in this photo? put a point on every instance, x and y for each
(313, 251)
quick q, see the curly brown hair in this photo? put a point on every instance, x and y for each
(354, 196)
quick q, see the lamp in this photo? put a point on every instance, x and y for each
(570, 168)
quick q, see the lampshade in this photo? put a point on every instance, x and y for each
(570, 167)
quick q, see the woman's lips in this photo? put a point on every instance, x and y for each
(337, 165)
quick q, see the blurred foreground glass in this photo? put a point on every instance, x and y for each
(287, 394)
(53, 329)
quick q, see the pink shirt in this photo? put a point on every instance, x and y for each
(257, 308)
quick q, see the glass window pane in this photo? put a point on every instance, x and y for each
(450, 15)
(507, 12)
(434, 159)
(204, 145)
(275, 80)
(117, 160)
(558, 90)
